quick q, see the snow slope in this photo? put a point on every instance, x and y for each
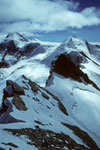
(36, 107)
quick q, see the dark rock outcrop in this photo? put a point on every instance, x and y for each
(16, 88)
(19, 103)
(83, 135)
(5, 116)
(4, 64)
(10, 144)
(34, 86)
(48, 140)
(12, 90)
(10, 45)
(76, 58)
(67, 68)
(29, 48)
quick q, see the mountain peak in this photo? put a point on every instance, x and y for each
(73, 39)
(77, 44)
(16, 36)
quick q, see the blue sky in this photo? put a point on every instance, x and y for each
(92, 34)
(51, 20)
(89, 3)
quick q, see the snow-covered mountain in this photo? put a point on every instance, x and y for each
(50, 94)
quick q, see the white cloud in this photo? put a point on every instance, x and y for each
(44, 15)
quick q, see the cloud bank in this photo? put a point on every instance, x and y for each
(44, 15)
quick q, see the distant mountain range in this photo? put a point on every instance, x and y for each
(50, 94)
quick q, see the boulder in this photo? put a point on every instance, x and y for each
(4, 64)
(8, 91)
(19, 103)
(16, 88)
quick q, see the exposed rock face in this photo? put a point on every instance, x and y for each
(34, 87)
(4, 64)
(49, 140)
(67, 68)
(64, 66)
(15, 87)
(11, 90)
(11, 47)
(83, 135)
(29, 48)
(11, 43)
(76, 58)
(10, 144)
(19, 103)
(5, 111)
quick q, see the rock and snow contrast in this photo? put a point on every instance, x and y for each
(49, 94)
